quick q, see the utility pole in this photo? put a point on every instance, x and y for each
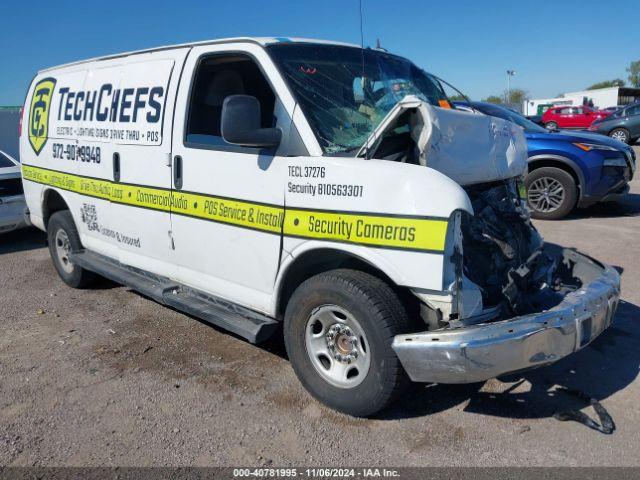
(510, 73)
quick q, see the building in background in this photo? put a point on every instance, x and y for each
(600, 98)
(9, 118)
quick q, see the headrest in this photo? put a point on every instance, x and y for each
(225, 83)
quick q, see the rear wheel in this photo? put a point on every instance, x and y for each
(551, 193)
(620, 134)
(63, 241)
(338, 331)
(551, 126)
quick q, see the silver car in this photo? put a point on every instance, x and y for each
(13, 209)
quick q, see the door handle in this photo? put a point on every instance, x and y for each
(116, 167)
(177, 172)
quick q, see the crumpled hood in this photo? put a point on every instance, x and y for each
(467, 148)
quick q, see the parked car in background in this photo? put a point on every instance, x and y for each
(12, 205)
(571, 117)
(623, 124)
(567, 169)
(612, 109)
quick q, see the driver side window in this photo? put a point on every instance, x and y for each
(216, 78)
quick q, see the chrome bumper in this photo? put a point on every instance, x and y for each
(479, 352)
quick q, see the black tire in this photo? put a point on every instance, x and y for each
(621, 134)
(61, 223)
(551, 126)
(569, 198)
(380, 314)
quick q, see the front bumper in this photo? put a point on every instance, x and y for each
(613, 195)
(479, 352)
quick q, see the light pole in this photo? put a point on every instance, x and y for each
(510, 73)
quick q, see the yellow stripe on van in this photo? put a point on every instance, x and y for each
(235, 212)
(375, 230)
(368, 229)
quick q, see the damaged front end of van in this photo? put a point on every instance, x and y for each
(511, 302)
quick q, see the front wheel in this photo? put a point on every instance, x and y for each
(338, 330)
(620, 134)
(551, 193)
(551, 126)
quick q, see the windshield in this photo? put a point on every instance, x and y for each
(345, 91)
(506, 114)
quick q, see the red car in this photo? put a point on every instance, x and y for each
(571, 117)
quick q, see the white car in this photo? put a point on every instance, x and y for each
(13, 209)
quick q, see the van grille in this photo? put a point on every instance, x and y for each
(11, 187)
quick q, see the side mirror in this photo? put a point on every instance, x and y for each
(240, 123)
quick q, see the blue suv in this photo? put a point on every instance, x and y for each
(567, 169)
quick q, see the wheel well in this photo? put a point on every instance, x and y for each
(549, 162)
(318, 261)
(52, 203)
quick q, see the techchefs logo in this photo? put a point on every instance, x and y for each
(105, 104)
(39, 113)
(109, 104)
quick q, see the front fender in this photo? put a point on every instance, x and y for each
(397, 218)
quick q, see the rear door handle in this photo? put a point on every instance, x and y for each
(116, 167)
(177, 172)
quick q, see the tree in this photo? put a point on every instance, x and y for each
(616, 82)
(516, 97)
(457, 98)
(494, 99)
(634, 73)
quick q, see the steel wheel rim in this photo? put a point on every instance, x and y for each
(546, 194)
(337, 346)
(619, 135)
(63, 249)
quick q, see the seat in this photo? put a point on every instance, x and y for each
(224, 83)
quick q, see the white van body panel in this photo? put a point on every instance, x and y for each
(383, 188)
(113, 106)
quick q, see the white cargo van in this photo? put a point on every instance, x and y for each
(317, 186)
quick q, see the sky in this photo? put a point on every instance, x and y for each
(554, 46)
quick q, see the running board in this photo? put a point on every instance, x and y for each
(245, 323)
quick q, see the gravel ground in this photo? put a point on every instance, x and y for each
(106, 377)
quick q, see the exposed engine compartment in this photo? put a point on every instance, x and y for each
(505, 256)
(501, 255)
